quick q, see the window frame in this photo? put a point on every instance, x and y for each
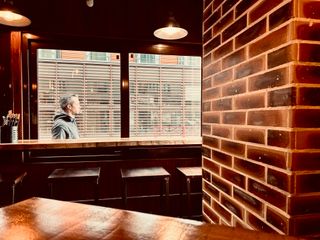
(29, 59)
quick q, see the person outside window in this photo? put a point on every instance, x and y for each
(64, 125)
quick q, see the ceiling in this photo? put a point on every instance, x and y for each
(129, 19)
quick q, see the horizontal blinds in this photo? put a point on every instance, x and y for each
(98, 87)
(165, 100)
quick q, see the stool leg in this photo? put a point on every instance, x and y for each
(13, 193)
(124, 194)
(96, 192)
(51, 189)
(188, 196)
(166, 180)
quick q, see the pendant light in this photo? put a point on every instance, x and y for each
(171, 30)
(11, 16)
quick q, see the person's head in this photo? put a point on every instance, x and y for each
(70, 104)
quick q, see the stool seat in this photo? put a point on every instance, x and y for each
(145, 173)
(189, 173)
(154, 172)
(61, 175)
(12, 178)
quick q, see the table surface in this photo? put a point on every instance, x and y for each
(99, 142)
(39, 218)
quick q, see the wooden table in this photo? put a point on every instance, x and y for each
(39, 218)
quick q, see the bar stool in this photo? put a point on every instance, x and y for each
(76, 175)
(189, 173)
(146, 173)
(12, 179)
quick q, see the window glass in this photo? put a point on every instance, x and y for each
(165, 96)
(96, 82)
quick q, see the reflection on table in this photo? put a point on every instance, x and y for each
(39, 218)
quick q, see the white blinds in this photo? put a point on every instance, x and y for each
(165, 99)
(96, 83)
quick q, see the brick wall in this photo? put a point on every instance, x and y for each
(261, 115)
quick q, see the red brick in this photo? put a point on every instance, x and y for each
(210, 141)
(221, 158)
(211, 214)
(306, 118)
(223, 50)
(280, 180)
(234, 28)
(211, 69)
(232, 206)
(234, 177)
(211, 117)
(282, 139)
(258, 224)
(283, 55)
(249, 168)
(308, 183)
(221, 184)
(221, 211)
(206, 83)
(309, 9)
(267, 156)
(309, 53)
(270, 79)
(206, 106)
(306, 74)
(222, 104)
(249, 201)
(206, 152)
(223, 77)
(248, 68)
(223, 22)
(234, 88)
(233, 147)
(218, 130)
(211, 20)
(308, 31)
(268, 194)
(234, 58)
(251, 33)
(210, 45)
(228, 4)
(207, 60)
(282, 97)
(281, 15)
(278, 220)
(206, 129)
(301, 161)
(276, 118)
(212, 93)
(250, 101)
(206, 175)
(234, 118)
(250, 135)
(304, 204)
(244, 6)
(272, 40)
(211, 166)
(263, 8)
(309, 96)
(308, 139)
(206, 198)
(212, 191)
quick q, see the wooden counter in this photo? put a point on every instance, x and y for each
(39, 218)
(23, 145)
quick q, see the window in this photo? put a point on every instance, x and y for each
(164, 93)
(165, 98)
(96, 83)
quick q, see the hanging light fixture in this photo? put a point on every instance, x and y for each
(171, 30)
(10, 16)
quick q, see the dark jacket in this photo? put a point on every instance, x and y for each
(64, 127)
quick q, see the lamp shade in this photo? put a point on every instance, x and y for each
(10, 16)
(171, 30)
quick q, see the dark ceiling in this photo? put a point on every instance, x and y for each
(129, 19)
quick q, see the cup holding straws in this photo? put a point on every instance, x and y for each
(9, 128)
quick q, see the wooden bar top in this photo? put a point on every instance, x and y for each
(92, 143)
(39, 218)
